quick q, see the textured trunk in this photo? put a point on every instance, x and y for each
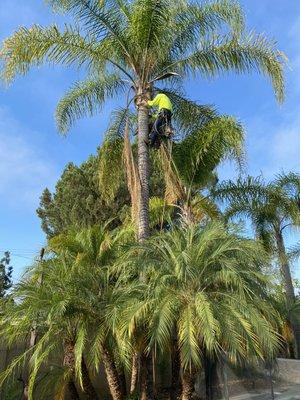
(212, 384)
(175, 369)
(225, 381)
(122, 378)
(73, 391)
(112, 375)
(289, 288)
(69, 362)
(146, 390)
(188, 384)
(143, 168)
(134, 373)
(88, 387)
(143, 218)
(285, 269)
(188, 217)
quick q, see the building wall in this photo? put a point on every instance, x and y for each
(289, 370)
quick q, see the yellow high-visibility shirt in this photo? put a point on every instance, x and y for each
(161, 101)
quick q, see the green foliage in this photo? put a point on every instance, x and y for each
(188, 275)
(6, 271)
(78, 201)
(201, 152)
(134, 42)
(12, 390)
(85, 98)
(272, 207)
(98, 288)
(76, 303)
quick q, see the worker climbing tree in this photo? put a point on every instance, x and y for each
(162, 125)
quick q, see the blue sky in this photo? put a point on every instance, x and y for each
(32, 154)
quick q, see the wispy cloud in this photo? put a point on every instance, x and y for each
(24, 169)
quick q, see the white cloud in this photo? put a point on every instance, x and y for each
(24, 169)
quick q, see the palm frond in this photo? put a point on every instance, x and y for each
(37, 45)
(188, 115)
(253, 52)
(201, 151)
(85, 99)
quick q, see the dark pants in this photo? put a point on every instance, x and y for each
(163, 119)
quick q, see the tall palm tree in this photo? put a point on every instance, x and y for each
(125, 44)
(273, 208)
(207, 284)
(186, 166)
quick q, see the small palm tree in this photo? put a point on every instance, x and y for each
(207, 286)
(57, 329)
(74, 309)
(190, 165)
(124, 45)
(273, 208)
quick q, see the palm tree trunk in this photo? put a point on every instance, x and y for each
(288, 285)
(73, 391)
(122, 378)
(146, 366)
(134, 373)
(143, 220)
(188, 384)
(188, 217)
(175, 369)
(225, 380)
(69, 361)
(112, 375)
(88, 387)
(143, 168)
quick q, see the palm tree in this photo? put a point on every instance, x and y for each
(124, 45)
(189, 166)
(94, 252)
(76, 309)
(182, 168)
(33, 303)
(206, 284)
(273, 208)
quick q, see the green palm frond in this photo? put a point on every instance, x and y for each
(160, 212)
(147, 21)
(200, 152)
(97, 19)
(253, 52)
(202, 283)
(189, 344)
(188, 115)
(242, 190)
(37, 45)
(86, 98)
(112, 153)
(203, 206)
(225, 11)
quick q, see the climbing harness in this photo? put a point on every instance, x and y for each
(164, 130)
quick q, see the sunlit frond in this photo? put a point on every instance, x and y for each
(85, 99)
(37, 45)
